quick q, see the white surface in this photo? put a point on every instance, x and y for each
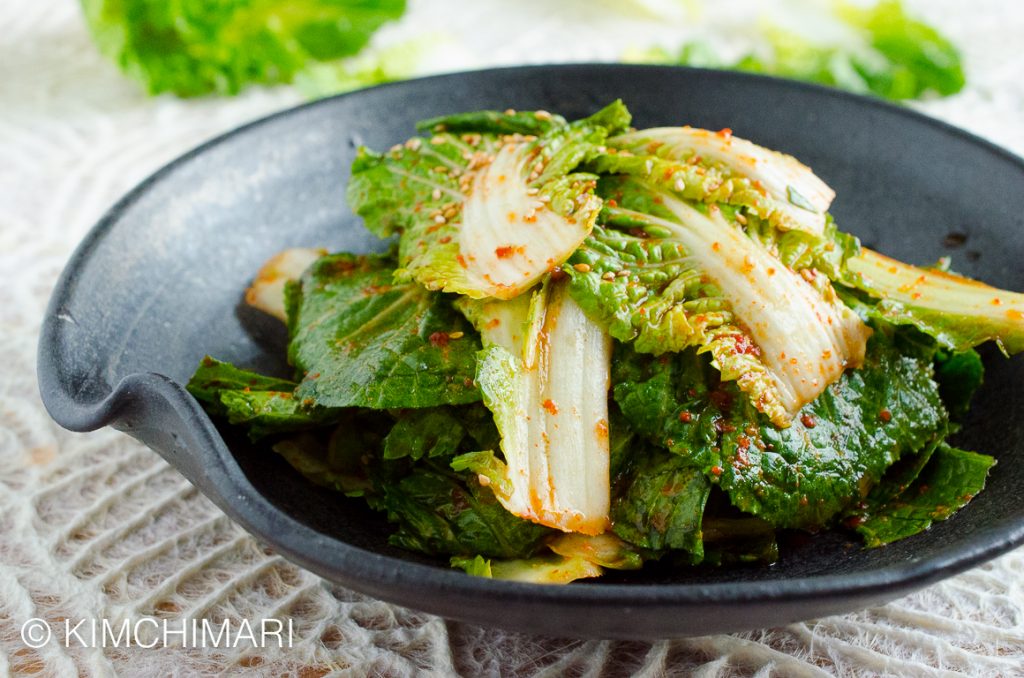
(98, 526)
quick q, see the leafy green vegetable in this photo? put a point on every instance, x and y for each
(544, 375)
(574, 556)
(769, 372)
(489, 203)
(960, 375)
(424, 433)
(444, 513)
(196, 48)
(718, 166)
(396, 62)
(887, 53)
(605, 550)
(731, 537)
(958, 312)
(693, 277)
(801, 476)
(544, 569)
(950, 480)
(363, 341)
(343, 462)
(663, 504)
(264, 404)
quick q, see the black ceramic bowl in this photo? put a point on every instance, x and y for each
(159, 281)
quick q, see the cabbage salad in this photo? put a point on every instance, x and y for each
(592, 347)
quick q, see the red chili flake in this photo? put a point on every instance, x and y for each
(716, 470)
(685, 417)
(885, 415)
(439, 339)
(722, 426)
(742, 443)
(444, 239)
(550, 406)
(808, 421)
(745, 345)
(612, 202)
(462, 260)
(725, 133)
(504, 252)
(742, 460)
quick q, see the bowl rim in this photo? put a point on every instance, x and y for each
(399, 580)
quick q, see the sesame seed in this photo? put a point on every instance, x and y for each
(510, 111)
(438, 140)
(439, 219)
(414, 144)
(542, 115)
(456, 335)
(740, 218)
(582, 268)
(436, 194)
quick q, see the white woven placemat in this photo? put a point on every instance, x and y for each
(98, 527)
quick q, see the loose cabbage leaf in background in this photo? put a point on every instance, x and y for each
(196, 48)
(265, 405)
(951, 478)
(397, 62)
(360, 340)
(888, 54)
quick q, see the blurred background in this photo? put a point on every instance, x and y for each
(96, 95)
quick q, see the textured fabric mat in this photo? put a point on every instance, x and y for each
(97, 526)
